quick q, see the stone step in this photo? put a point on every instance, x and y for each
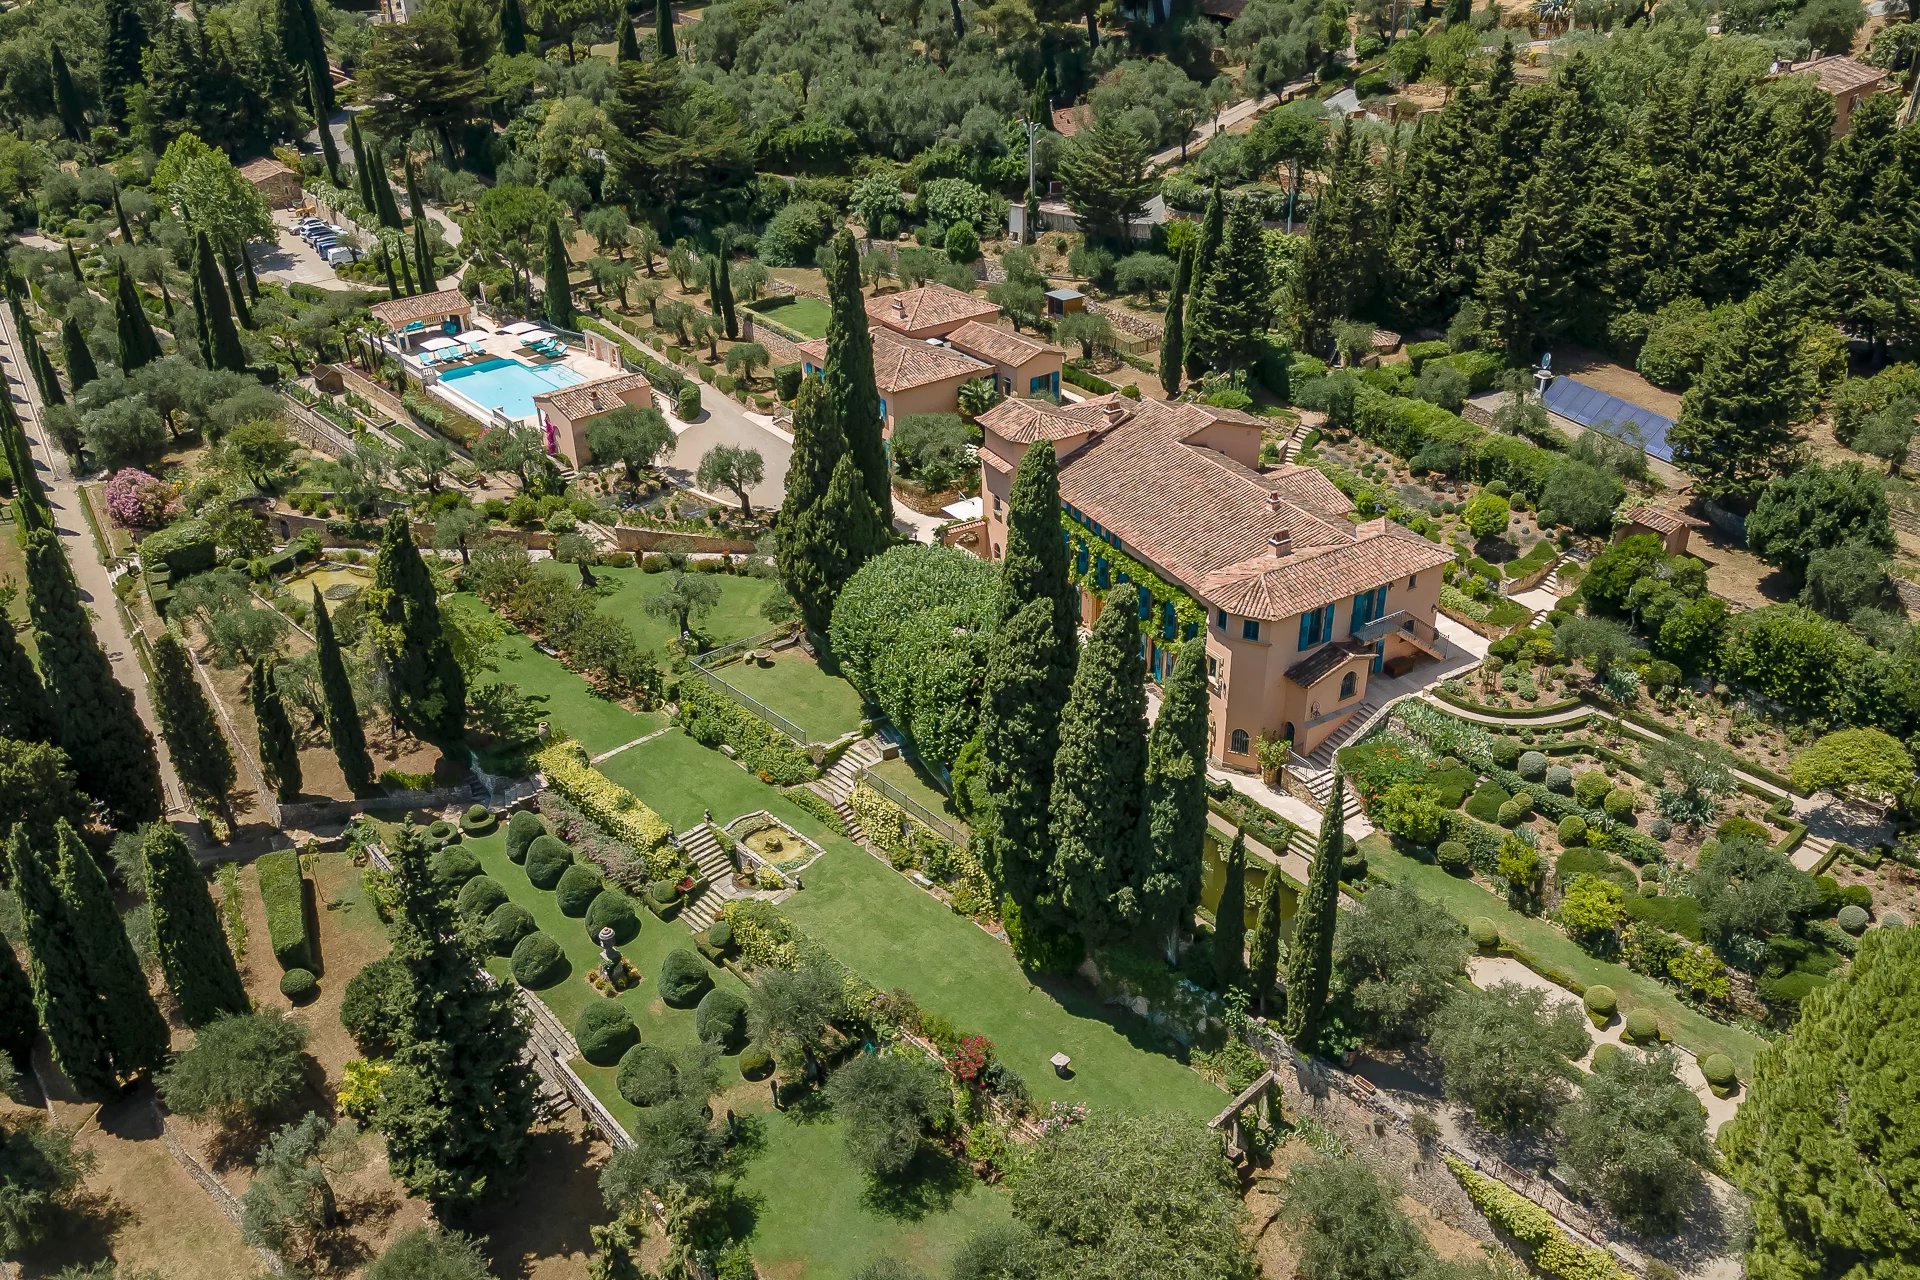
(855, 831)
(1322, 757)
(703, 910)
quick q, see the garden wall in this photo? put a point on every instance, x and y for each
(629, 538)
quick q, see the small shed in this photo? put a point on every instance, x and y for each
(278, 185)
(1065, 302)
(1671, 527)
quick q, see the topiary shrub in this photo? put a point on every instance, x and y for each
(547, 861)
(612, 909)
(504, 926)
(479, 896)
(1591, 787)
(683, 978)
(478, 820)
(1660, 829)
(374, 1006)
(647, 1075)
(720, 1019)
(1619, 805)
(1572, 830)
(604, 1031)
(1737, 828)
(579, 886)
(1506, 752)
(1559, 779)
(720, 935)
(1532, 766)
(299, 985)
(454, 866)
(1515, 811)
(1641, 1028)
(755, 1063)
(1353, 868)
(440, 833)
(1892, 920)
(1484, 934)
(523, 829)
(1605, 1054)
(1853, 919)
(538, 961)
(1601, 1004)
(1454, 856)
(1721, 1077)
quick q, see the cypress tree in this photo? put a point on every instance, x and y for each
(1310, 957)
(1264, 968)
(1206, 247)
(1230, 919)
(18, 1022)
(556, 298)
(317, 102)
(342, 717)
(384, 207)
(1099, 778)
(73, 264)
(279, 752)
(663, 29)
(186, 930)
(135, 1033)
(200, 330)
(429, 693)
(219, 338)
(63, 995)
(406, 271)
(99, 726)
(1177, 797)
(362, 170)
(120, 67)
(120, 216)
(81, 367)
(50, 390)
(629, 50)
(66, 99)
(1228, 321)
(851, 391)
(513, 28)
(242, 314)
(138, 345)
(1173, 334)
(386, 262)
(724, 298)
(25, 712)
(422, 245)
(818, 447)
(854, 532)
(200, 751)
(458, 1104)
(30, 509)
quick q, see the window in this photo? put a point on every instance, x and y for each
(1316, 627)
(1220, 619)
(1238, 743)
(1347, 683)
(1249, 628)
(996, 504)
(883, 410)
(1411, 579)
(1213, 666)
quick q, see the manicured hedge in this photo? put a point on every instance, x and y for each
(547, 861)
(478, 820)
(522, 830)
(579, 885)
(721, 1019)
(612, 909)
(1554, 1254)
(612, 808)
(538, 961)
(1601, 1004)
(710, 718)
(604, 1031)
(755, 1063)
(479, 896)
(1642, 1027)
(683, 978)
(454, 865)
(283, 891)
(299, 985)
(505, 926)
(1720, 1074)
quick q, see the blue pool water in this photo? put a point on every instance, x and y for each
(507, 385)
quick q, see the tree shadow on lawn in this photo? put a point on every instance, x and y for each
(926, 1187)
(1075, 999)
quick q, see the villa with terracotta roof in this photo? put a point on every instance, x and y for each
(1845, 79)
(931, 311)
(423, 315)
(1022, 365)
(913, 377)
(566, 413)
(1300, 604)
(278, 185)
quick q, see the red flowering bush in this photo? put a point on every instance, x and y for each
(970, 1059)
(137, 500)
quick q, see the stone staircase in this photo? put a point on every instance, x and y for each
(703, 851)
(1319, 784)
(1316, 772)
(836, 785)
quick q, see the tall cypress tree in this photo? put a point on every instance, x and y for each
(1177, 797)
(1264, 967)
(200, 330)
(556, 297)
(136, 1034)
(1310, 956)
(1099, 779)
(853, 533)
(428, 691)
(73, 264)
(186, 930)
(66, 99)
(851, 390)
(220, 339)
(1228, 320)
(138, 344)
(458, 1104)
(1230, 918)
(513, 28)
(1173, 344)
(384, 207)
(120, 65)
(723, 297)
(818, 447)
(342, 717)
(73, 346)
(1206, 248)
(629, 47)
(99, 726)
(200, 751)
(64, 996)
(422, 245)
(279, 752)
(317, 103)
(238, 293)
(663, 29)
(19, 1025)
(120, 216)
(25, 712)
(362, 169)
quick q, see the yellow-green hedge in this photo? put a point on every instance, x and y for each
(612, 807)
(1553, 1253)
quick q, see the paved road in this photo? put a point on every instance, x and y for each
(76, 537)
(1233, 115)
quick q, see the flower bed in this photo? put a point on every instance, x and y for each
(1553, 1253)
(616, 810)
(910, 843)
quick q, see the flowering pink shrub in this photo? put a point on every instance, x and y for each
(137, 500)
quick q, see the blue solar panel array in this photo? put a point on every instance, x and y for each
(1594, 408)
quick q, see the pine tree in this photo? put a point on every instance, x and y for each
(1177, 797)
(120, 65)
(459, 1101)
(1229, 321)
(362, 169)
(317, 103)
(513, 28)
(428, 691)
(66, 98)
(25, 712)
(556, 296)
(1099, 779)
(1264, 967)
(63, 995)
(723, 298)
(1735, 431)
(341, 715)
(200, 752)
(19, 1025)
(381, 188)
(135, 1033)
(99, 726)
(1107, 177)
(818, 447)
(138, 345)
(663, 29)
(1310, 955)
(1341, 265)
(1230, 919)
(1173, 348)
(279, 752)
(1206, 248)
(422, 244)
(186, 930)
(851, 391)
(219, 338)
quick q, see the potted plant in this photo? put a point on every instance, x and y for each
(1271, 752)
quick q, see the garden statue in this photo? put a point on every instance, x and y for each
(610, 955)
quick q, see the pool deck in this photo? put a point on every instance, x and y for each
(495, 345)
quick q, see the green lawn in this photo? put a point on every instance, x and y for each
(901, 773)
(1553, 953)
(735, 617)
(802, 313)
(793, 686)
(683, 780)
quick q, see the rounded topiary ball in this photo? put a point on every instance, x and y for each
(504, 926)
(1719, 1070)
(523, 829)
(479, 896)
(721, 1019)
(1506, 752)
(1532, 766)
(1560, 779)
(647, 1075)
(538, 961)
(1512, 812)
(1641, 1027)
(663, 892)
(1619, 804)
(478, 820)
(604, 1031)
(1453, 856)
(1601, 1003)
(683, 978)
(299, 985)
(1484, 933)
(1572, 830)
(1853, 919)
(612, 909)
(755, 1063)
(1591, 787)
(454, 865)
(579, 886)
(1892, 920)
(720, 935)
(547, 861)
(442, 833)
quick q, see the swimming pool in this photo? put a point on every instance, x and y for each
(507, 385)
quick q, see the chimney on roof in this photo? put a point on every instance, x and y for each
(1281, 544)
(1115, 415)
(900, 308)
(1274, 500)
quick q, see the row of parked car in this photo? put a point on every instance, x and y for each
(327, 240)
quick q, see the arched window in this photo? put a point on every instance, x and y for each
(1238, 742)
(1347, 683)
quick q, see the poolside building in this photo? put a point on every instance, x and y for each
(567, 412)
(411, 321)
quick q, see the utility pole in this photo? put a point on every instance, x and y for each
(1031, 212)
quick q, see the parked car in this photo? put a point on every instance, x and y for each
(324, 229)
(341, 254)
(303, 225)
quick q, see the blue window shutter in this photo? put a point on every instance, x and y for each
(1192, 630)
(1146, 601)
(1326, 623)
(1100, 577)
(1169, 621)
(1080, 558)
(1306, 629)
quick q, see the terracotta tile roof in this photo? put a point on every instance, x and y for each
(263, 168)
(1839, 74)
(398, 313)
(585, 399)
(902, 363)
(1275, 587)
(1030, 421)
(1002, 346)
(1320, 664)
(927, 307)
(1659, 519)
